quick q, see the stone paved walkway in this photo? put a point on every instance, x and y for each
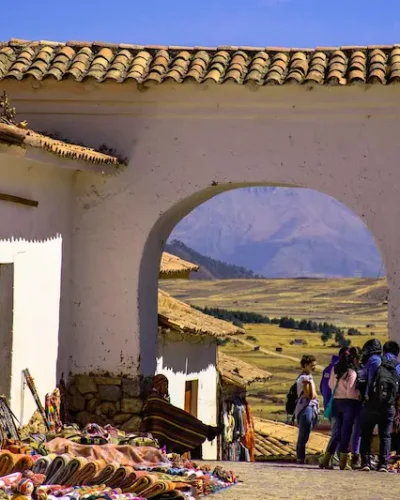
(280, 481)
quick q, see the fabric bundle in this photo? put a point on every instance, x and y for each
(112, 454)
(87, 473)
(104, 475)
(130, 479)
(119, 476)
(23, 463)
(7, 462)
(159, 487)
(57, 468)
(75, 465)
(42, 465)
(142, 483)
(173, 426)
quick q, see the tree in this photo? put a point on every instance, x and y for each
(326, 336)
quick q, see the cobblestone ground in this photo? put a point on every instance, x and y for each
(280, 481)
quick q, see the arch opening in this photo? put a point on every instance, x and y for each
(357, 277)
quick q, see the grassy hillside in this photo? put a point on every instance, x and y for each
(345, 302)
(210, 269)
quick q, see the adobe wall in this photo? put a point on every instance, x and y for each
(186, 143)
(186, 358)
(37, 242)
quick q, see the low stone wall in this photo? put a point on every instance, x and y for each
(105, 400)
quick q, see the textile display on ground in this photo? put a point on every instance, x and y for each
(63, 461)
(73, 471)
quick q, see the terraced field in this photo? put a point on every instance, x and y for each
(345, 302)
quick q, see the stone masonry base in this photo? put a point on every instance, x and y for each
(105, 400)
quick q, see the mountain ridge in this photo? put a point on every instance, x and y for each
(282, 232)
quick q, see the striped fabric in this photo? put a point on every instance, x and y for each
(173, 427)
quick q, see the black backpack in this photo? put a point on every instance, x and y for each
(385, 386)
(291, 399)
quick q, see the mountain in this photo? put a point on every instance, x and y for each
(282, 232)
(210, 269)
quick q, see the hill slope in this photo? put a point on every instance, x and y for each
(282, 232)
(210, 269)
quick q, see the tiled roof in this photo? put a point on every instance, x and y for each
(276, 440)
(18, 134)
(178, 316)
(171, 266)
(156, 64)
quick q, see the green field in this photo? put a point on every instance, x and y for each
(344, 302)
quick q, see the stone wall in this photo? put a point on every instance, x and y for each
(105, 400)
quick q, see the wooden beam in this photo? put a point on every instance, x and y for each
(18, 199)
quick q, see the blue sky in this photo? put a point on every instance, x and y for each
(289, 23)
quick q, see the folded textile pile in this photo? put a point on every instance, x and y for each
(113, 454)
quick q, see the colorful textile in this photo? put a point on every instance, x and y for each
(87, 473)
(110, 453)
(174, 427)
(42, 465)
(57, 468)
(249, 438)
(52, 411)
(104, 475)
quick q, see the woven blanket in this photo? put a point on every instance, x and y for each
(89, 471)
(158, 488)
(42, 465)
(10, 462)
(172, 426)
(130, 479)
(57, 468)
(23, 463)
(75, 465)
(112, 454)
(104, 475)
(119, 477)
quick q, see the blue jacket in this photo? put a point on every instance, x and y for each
(368, 372)
(324, 386)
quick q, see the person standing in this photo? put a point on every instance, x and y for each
(346, 407)
(307, 406)
(324, 388)
(379, 385)
(391, 351)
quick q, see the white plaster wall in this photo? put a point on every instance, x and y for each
(183, 361)
(33, 240)
(185, 144)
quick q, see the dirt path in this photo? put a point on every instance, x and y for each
(276, 354)
(291, 482)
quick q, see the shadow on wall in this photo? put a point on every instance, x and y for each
(185, 357)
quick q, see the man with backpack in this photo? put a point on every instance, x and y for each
(302, 403)
(379, 386)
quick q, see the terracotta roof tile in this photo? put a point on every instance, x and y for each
(276, 440)
(155, 64)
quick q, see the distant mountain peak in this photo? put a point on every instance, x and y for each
(281, 232)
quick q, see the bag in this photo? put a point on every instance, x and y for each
(328, 411)
(291, 399)
(385, 386)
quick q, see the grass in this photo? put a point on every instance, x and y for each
(344, 302)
